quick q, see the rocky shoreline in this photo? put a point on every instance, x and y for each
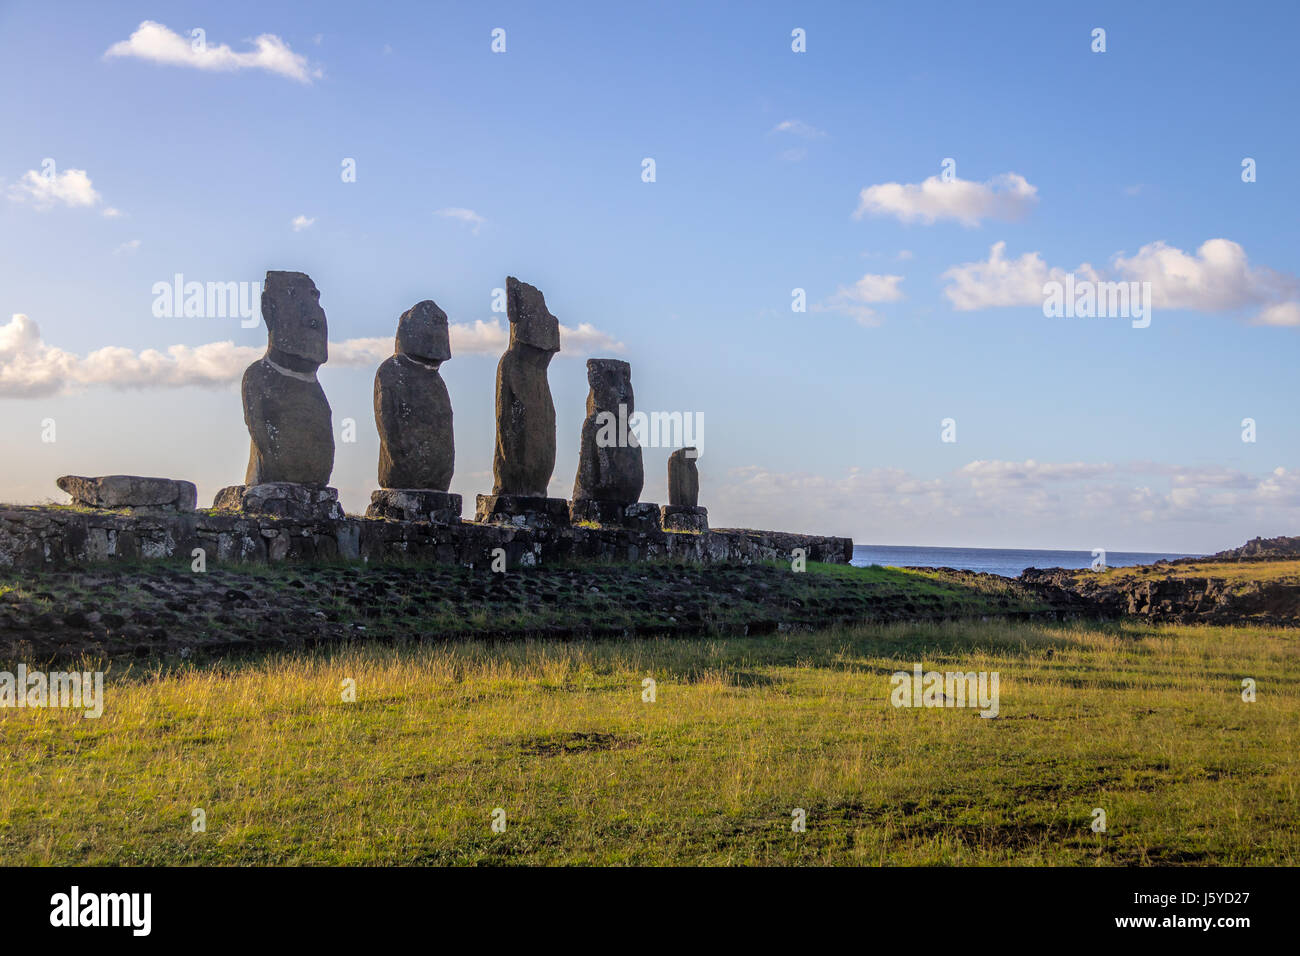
(1256, 584)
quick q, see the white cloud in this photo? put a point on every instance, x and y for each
(1216, 278)
(31, 368)
(467, 216)
(302, 222)
(856, 300)
(72, 187)
(798, 128)
(1019, 504)
(111, 213)
(154, 42)
(1283, 313)
(999, 281)
(1006, 197)
(127, 248)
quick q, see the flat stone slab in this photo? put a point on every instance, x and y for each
(684, 518)
(415, 504)
(282, 499)
(637, 516)
(130, 491)
(522, 511)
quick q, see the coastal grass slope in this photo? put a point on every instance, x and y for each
(1145, 722)
(166, 610)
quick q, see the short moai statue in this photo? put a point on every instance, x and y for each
(683, 513)
(611, 473)
(417, 452)
(288, 417)
(524, 457)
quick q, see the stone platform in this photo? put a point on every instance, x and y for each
(58, 536)
(639, 516)
(521, 511)
(130, 493)
(283, 499)
(684, 518)
(415, 504)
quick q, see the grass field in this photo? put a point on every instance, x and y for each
(1249, 573)
(1145, 723)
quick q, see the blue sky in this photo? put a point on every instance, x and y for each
(1071, 433)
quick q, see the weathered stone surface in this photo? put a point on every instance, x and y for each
(635, 516)
(415, 504)
(284, 499)
(683, 478)
(610, 467)
(524, 457)
(412, 406)
(130, 491)
(522, 511)
(41, 537)
(285, 409)
(683, 518)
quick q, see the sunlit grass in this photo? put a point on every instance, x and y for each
(1145, 723)
(1234, 572)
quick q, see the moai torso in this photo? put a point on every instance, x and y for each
(285, 409)
(683, 479)
(610, 466)
(524, 457)
(412, 406)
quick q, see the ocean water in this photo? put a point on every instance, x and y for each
(1008, 563)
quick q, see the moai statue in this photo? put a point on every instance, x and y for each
(285, 409)
(683, 513)
(610, 471)
(417, 452)
(525, 447)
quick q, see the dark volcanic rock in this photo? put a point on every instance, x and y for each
(130, 491)
(415, 504)
(412, 406)
(682, 518)
(1256, 549)
(1158, 593)
(284, 499)
(683, 478)
(285, 408)
(524, 457)
(609, 459)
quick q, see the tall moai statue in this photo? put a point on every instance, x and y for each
(417, 450)
(524, 457)
(288, 418)
(683, 513)
(611, 473)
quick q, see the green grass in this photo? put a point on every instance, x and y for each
(1146, 723)
(161, 608)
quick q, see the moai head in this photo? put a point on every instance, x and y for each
(531, 323)
(422, 333)
(295, 322)
(611, 385)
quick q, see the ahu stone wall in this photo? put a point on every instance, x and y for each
(34, 537)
